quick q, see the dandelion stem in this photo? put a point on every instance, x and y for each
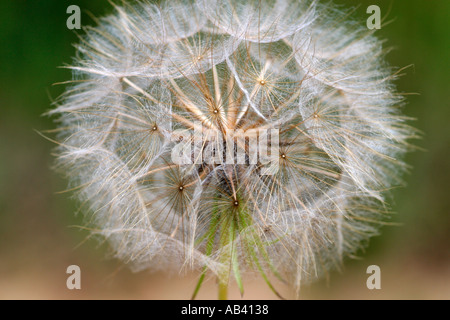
(223, 289)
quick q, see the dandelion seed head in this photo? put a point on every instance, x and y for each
(148, 74)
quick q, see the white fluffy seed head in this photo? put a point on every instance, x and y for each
(296, 66)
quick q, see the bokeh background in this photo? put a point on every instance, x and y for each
(39, 237)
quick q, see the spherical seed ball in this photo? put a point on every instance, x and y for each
(149, 71)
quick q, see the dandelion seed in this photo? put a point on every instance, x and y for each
(297, 67)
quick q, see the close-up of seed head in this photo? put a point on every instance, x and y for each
(232, 137)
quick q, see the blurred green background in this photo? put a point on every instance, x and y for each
(38, 242)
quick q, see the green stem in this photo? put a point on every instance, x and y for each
(223, 289)
(226, 238)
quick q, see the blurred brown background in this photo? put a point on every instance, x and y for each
(38, 242)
